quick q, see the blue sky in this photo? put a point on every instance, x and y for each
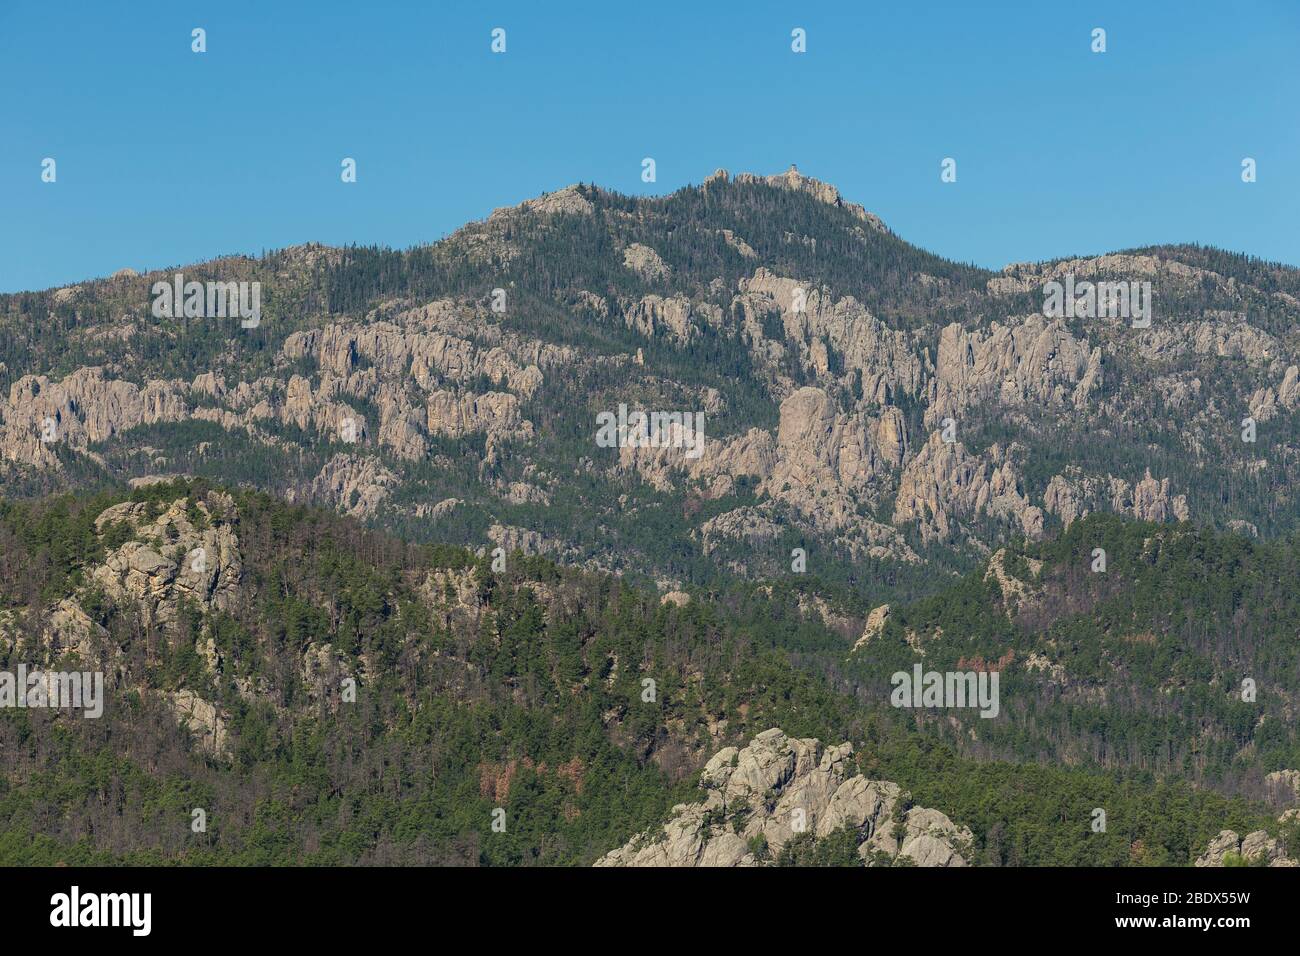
(167, 157)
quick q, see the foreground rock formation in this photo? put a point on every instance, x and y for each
(762, 797)
(1254, 849)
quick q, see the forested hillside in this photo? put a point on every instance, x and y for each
(1177, 656)
(366, 585)
(526, 690)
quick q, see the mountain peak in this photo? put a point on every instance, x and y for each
(567, 200)
(796, 181)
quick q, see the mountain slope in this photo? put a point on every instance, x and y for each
(451, 392)
(328, 694)
(1167, 650)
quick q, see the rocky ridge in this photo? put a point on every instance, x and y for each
(889, 430)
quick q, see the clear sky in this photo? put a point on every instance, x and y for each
(165, 156)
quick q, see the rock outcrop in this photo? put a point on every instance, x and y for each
(203, 720)
(511, 539)
(566, 201)
(675, 317)
(1015, 591)
(645, 262)
(874, 627)
(1024, 277)
(188, 552)
(753, 527)
(762, 797)
(820, 384)
(795, 181)
(1273, 400)
(823, 463)
(1256, 848)
(85, 407)
(354, 484)
(491, 413)
(882, 363)
(1037, 360)
(1283, 785)
(1073, 495)
(824, 457)
(69, 630)
(944, 483)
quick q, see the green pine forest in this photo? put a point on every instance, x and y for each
(534, 702)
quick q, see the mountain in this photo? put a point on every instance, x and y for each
(372, 575)
(896, 415)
